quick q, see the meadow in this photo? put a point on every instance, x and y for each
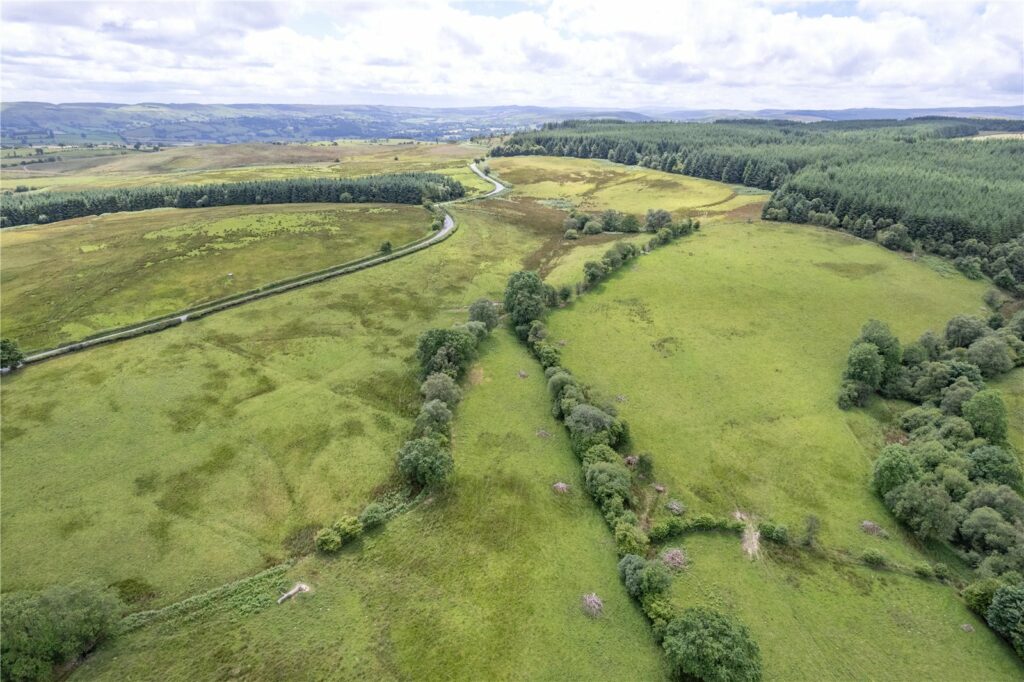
(67, 280)
(483, 581)
(240, 162)
(593, 186)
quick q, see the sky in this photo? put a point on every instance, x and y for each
(591, 53)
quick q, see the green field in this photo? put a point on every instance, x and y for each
(240, 162)
(67, 280)
(598, 185)
(483, 582)
(205, 453)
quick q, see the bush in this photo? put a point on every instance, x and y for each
(10, 353)
(524, 297)
(986, 413)
(608, 479)
(978, 595)
(923, 570)
(993, 464)
(348, 528)
(1006, 615)
(373, 515)
(434, 419)
(707, 645)
(45, 629)
(774, 532)
(328, 540)
(629, 539)
(963, 330)
(893, 467)
(865, 365)
(571, 234)
(873, 558)
(630, 566)
(600, 453)
(448, 351)
(483, 310)
(439, 386)
(425, 462)
(853, 394)
(991, 355)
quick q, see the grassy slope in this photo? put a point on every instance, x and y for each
(228, 434)
(734, 340)
(483, 582)
(67, 280)
(233, 163)
(598, 185)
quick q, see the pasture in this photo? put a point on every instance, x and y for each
(594, 186)
(66, 280)
(481, 582)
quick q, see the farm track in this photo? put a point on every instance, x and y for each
(198, 312)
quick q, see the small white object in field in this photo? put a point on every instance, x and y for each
(592, 605)
(299, 587)
(659, 488)
(674, 558)
(560, 488)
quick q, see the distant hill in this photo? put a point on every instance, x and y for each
(153, 123)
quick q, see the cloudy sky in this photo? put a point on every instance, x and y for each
(621, 53)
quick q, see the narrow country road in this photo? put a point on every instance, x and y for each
(203, 310)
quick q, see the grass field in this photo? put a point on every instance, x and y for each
(483, 582)
(817, 620)
(240, 162)
(232, 435)
(66, 280)
(598, 185)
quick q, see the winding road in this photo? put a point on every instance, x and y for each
(207, 309)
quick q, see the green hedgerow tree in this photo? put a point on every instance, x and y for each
(448, 351)
(986, 413)
(328, 540)
(425, 462)
(10, 353)
(993, 464)
(963, 330)
(525, 297)
(991, 354)
(374, 514)
(894, 467)
(865, 364)
(1006, 615)
(434, 419)
(707, 645)
(348, 528)
(41, 630)
(440, 386)
(483, 310)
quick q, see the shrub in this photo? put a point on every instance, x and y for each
(853, 394)
(600, 453)
(525, 297)
(373, 515)
(425, 462)
(593, 226)
(328, 540)
(893, 467)
(963, 330)
(630, 566)
(661, 612)
(1006, 615)
(483, 310)
(608, 479)
(994, 464)
(348, 528)
(986, 413)
(674, 558)
(774, 532)
(571, 234)
(978, 595)
(865, 364)
(923, 570)
(41, 630)
(707, 645)
(434, 419)
(873, 558)
(10, 353)
(629, 539)
(439, 386)
(991, 355)
(547, 355)
(448, 351)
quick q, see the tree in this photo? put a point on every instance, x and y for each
(896, 238)
(986, 413)
(865, 364)
(978, 595)
(439, 386)
(434, 419)
(483, 310)
(925, 508)
(894, 467)
(657, 219)
(425, 462)
(1006, 615)
(963, 330)
(986, 531)
(385, 247)
(445, 350)
(525, 297)
(707, 645)
(993, 464)
(10, 353)
(991, 355)
(44, 629)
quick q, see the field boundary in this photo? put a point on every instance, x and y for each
(281, 286)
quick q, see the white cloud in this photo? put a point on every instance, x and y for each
(638, 53)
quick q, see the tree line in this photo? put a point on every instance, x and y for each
(960, 198)
(949, 473)
(397, 188)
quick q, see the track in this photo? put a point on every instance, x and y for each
(198, 312)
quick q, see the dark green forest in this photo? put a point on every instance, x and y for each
(953, 195)
(398, 188)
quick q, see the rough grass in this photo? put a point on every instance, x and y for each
(240, 162)
(69, 279)
(481, 582)
(598, 185)
(115, 462)
(817, 620)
